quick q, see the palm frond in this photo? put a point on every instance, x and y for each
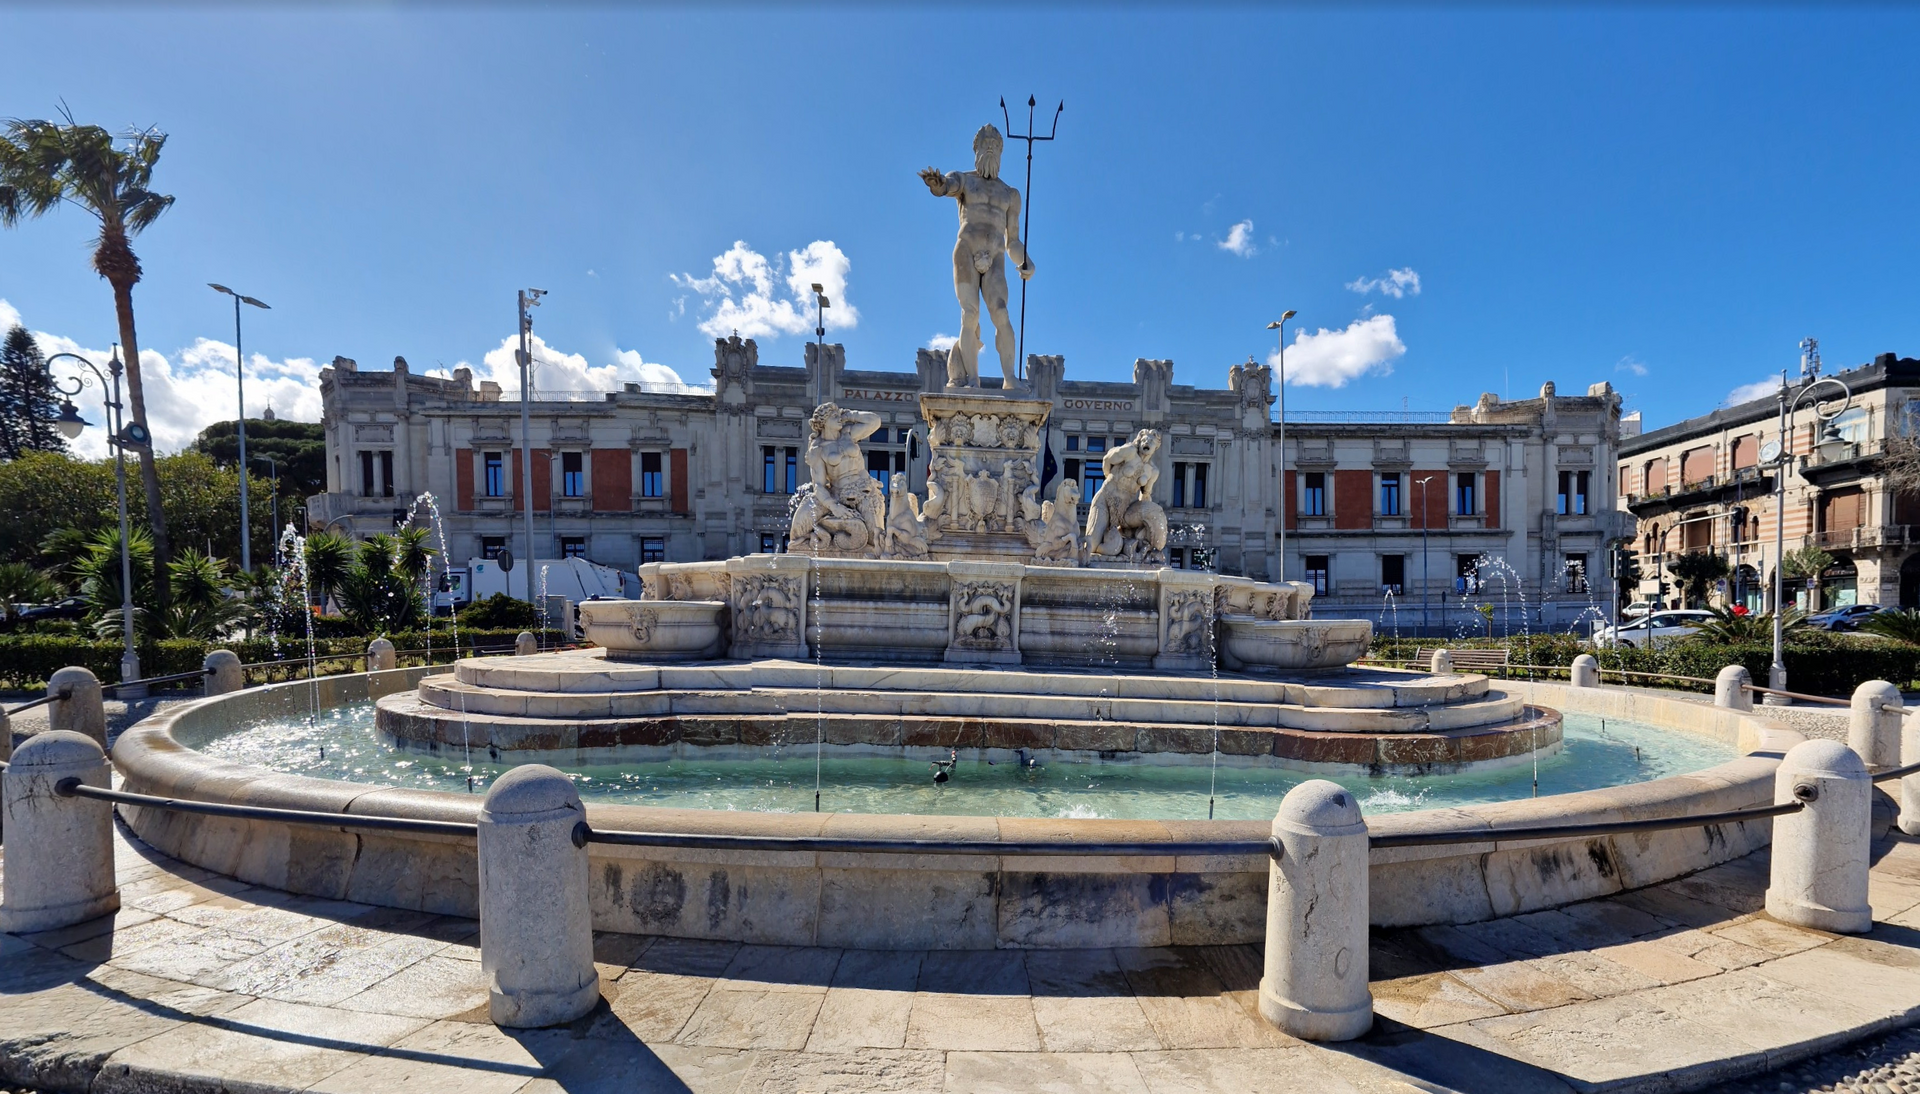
(1901, 626)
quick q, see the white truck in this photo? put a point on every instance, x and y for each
(569, 580)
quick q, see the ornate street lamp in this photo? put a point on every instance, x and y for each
(1828, 447)
(1280, 325)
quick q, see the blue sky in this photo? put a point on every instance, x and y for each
(1666, 199)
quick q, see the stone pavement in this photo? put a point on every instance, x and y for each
(202, 983)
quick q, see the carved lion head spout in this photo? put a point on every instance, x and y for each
(987, 145)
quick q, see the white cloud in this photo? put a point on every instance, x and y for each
(558, 371)
(9, 317)
(1759, 389)
(1398, 283)
(741, 293)
(1330, 358)
(942, 342)
(1630, 364)
(1240, 240)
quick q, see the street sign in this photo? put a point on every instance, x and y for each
(505, 560)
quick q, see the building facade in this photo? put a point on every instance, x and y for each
(655, 473)
(1702, 486)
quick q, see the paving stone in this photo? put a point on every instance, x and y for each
(981, 1023)
(1711, 949)
(1769, 934)
(186, 958)
(327, 966)
(1436, 999)
(1757, 1010)
(868, 1003)
(434, 987)
(974, 972)
(1592, 974)
(656, 1005)
(1608, 922)
(1516, 937)
(1062, 1072)
(752, 1019)
(1609, 1040)
(626, 1066)
(882, 1072)
(1444, 1059)
(1290, 1070)
(1520, 986)
(452, 1058)
(1659, 963)
(59, 1036)
(1083, 1003)
(171, 995)
(1881, 988)
(264, 1045)
(122, 920)
(1677, 908)
(687, 957)
(780, 968)
(148, 932)
(616, 953)
(1891, 896)
(1187, 1004)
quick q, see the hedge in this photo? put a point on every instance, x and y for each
(27, 660)
(1817, 662)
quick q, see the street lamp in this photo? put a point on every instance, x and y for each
(529, 298)
(1280, 325)
(240, 382)
(820, 306)
(273, 473)
(121, 438)
(1426, 584)
(1829, 441)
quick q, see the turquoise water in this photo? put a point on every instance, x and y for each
(342, 744)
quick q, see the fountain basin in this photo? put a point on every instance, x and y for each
(1292, 645)
(667, 630)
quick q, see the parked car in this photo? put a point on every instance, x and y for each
(1652, 629)
(1637, 609)
(1848, 618)
(72, 607)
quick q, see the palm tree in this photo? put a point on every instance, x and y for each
(412, 558)
(21, 584)
(329, 556)
(44, 163)
(1729, 629)
(1901, 626)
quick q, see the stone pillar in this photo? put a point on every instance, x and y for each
(1442, 663)
(1315, 986)
(767, 595)
(983, 616)
(536, 932)
(1586, 671)
(1820, 853)
(59, 848)
(224, 674)
(83, 711)
(381, 655)
(525, 644)
(1730, 688)
(1873, 728)
(1909, 786)
(1186, 621)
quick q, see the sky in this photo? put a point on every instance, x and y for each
(1455, 201)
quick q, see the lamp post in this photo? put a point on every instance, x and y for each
(820, 306)
(273, 473)
(1823, 420)
(529, 298)
(1426, 586)
(1280, 325)
(121, 437)
(240, 382)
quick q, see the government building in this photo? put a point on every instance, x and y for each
(1388, 516)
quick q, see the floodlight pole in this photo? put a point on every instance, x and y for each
(528, 298)
(1280, 325)
(240, 424)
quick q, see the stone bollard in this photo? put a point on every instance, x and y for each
(1730, 688)
(1315, 985)
(1910, 786)
(1441, 664)
(83, 711)
(381, 655)
(525, 643)
(1873, 727)
(59, 849)
(536, 933)
(1820, 853)
(1586, 671)
(224, 674)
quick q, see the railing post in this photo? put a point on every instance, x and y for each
(1730, 688)
(1586, 671)
(224, 673)
(536, 934)
(1819, 877)
(381, 655)
(1441, 663)
(1873, 727)
(59, 848)
(1910, 786)
(525, 644)
(1315, 985)
(83, 711)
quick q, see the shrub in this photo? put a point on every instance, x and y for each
(498, 611)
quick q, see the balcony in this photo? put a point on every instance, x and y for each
(1881, 537)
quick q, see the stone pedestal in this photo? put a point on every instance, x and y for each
(769, 598)
(983, 621)
(1187, 638)
(983, 473)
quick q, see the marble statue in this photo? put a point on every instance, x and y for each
(989, 231)
(1059, 537)
(906, 527)
(1124, 521)
(842, 509)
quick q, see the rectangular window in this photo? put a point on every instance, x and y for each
(769, 470)
(653, 548)
(779, 470)
(573, 546)
(1073, 444)
(767, 542)
(1313, 494)
(1317, 573)
(366, 475)
(1093, 475)
(386, 474)
(1466, 574)
(573, 475)
(1393, 574)
(1200, 558)
(1464, 502)
(1575, 569)
(880, 467)
(1390, 494)
(1199, 486)
(494, 474)
(1179, 486)
(1573, 493)
(491, 546)
(793, 471)
(652, 482)
(1177, 557)
(1096, 444)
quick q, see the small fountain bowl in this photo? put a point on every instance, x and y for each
(1293, 645)
(656, 630)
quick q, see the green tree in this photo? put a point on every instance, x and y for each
(1753, 629)
(1695, 572)
(29, 405)
(378, 596)
(42, 493)
(44, 164)
(1901, 626)
(329, 557)
(98, 574)
(22, 584)
(298, 451)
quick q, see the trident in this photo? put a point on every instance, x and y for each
(1026, 197)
